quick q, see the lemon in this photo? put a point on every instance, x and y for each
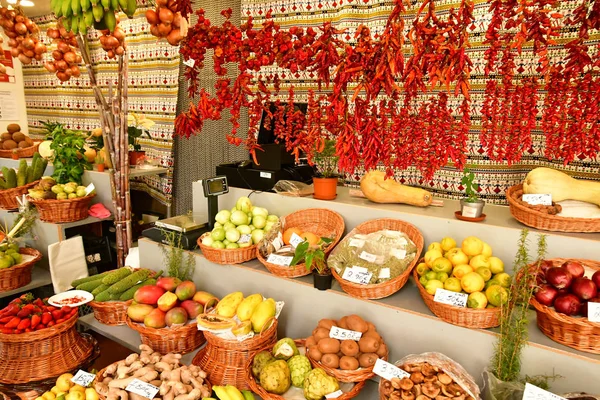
(448, 243)
(441, 264)
(48, 396)
(496, 265)
(503, 278)
(491, 282)
(472, 282)
(432, 255)
(442, 276)
(496, 295)
(423, 280)
(422, 269)
(55, 390)
(78, 387)
(431, 275)
(63, 383)
(485, 273)
(461, 270)
(457, 257)
(435, 246)
(477, 300)
(487, 250)
(479, 261)
(91, 394)
(453, 284)
(433, 285)
(490, 306)
(472, 246)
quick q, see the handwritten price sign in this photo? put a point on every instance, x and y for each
(538, 199)
(451, 298)
(245, 238)
(83, 378)
(593, 312)
(344, 334)
(279, 260)
(359, 275)
(533, 392)
(142, 388)
(388, 371)
(295, 240)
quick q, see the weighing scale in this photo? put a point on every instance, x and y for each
(191, 227)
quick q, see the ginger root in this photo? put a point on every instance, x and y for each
(121, 383)
(193, 395)
(117, 394)
(131, 358)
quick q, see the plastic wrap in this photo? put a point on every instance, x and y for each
(495, 389)
(293, 188)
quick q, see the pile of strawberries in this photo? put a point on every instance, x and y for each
(26, 314)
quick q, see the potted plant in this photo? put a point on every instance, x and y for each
(68, 155)
(15, 154)
(326, 180)
(314, 258)
(471, 206)
(100, 162)
(137, 126)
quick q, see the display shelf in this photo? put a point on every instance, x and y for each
(39, 277)
(134, 172)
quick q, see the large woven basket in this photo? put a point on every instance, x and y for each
(111, 313)
(259, 390)
(43, 354)
(26, 152)
(227, 256)
(321, 222)
(181, 339)
(8, 197)
(226, 361)
(576, 332)
(461, 316)
(381, 290)
(19, 275)
(540, 220)
(61, 211)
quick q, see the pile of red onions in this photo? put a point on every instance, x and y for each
(22, 33)
(167, 22)
(65, 59)
(566, 288)
(113, 43)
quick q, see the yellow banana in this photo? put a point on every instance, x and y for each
(105, 4)
(122, 5)
(76, 6)
(57, 8)
(75, 25)
(221, 392)
(83, 27)
(94, 2)
(247, 395)
(131, 7)
(110, 20)
(85, 5)
(114, 4)
(234, 393)
(66, 8)
(98, 12)
(88, 18)
(67, 22)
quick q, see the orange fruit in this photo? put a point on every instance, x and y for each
(287, 235)
(311, 238)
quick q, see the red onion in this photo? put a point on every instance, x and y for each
(596, 278)
(584, 288)
(545, 264)
(559, 277)
(568, 304)
(575, 269)
(546, 295)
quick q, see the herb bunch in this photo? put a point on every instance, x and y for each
(69, 160)
(173, 256)
(471, 188)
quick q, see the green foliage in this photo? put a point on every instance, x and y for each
(49, 127)
(68, 160)
(468, 180)
(134, 134)
(173, 256)
(313, 256)
(326, 160)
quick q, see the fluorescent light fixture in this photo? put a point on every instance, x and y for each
(22, 3)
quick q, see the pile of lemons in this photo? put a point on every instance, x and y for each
(470, 268)
(67, 390)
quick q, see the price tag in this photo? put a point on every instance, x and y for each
(469, 212)
(279, 260)
(356, 242)
(344, 334)
(357, 276)
(89, 189)
(593, 312)
(245, 238)
(83, 378)
(295, 240)
(533, 392)
(142, 388)
(451, 298)
(190, 63)
(400, 254)
(538, 199)
(266, 175)
(334, 395)
(384, 273)
(388, 371)
(368, 257)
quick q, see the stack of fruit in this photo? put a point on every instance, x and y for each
(230, 392)
(25, 174)
(240, 315)
(470, 269)
(118, 285)
(48, 189)
(277, 370)
(80, 15)
(23, 35)
(243, 226)
(166, 21)
(9, 255)
(65, 59)
(67, 390)
(26, 314)
(13, 138)
(566, 288)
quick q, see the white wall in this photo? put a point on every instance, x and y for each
(16, 89)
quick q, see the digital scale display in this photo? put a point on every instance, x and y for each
(215, 186)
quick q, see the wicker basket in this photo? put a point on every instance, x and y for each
(225, 361)
(61, 211)
(111, 313)
(576, 332)
(27, 152)
(227, 256)
(8, 197)
(540, 220)
(321, 222)
(381, 290)
(42, 354)
(19, 275)
(461, 316)
(263, 394)
(182, 339)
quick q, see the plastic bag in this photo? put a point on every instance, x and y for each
(449, 366)
(293, 188)
(495, 389)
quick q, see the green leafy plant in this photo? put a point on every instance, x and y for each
(99, 158)
(22, 225)
(173, 256)
(326, 160)
(138, 126)
(471, 188)
(68, 160)
(313, 256)
(49, 127)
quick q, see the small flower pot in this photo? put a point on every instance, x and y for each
(471, 210)
(100, 167)
(325, 188)
(15, 156)
(322, 282)
(136, 157)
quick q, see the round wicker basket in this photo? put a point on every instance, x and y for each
(226, 256)
(8, 197)
(26, 152)
(62, 211)
(111, 313)
(181, 339)
(19, 275)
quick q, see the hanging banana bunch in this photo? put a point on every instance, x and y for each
(78, 16)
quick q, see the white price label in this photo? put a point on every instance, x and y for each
(533, 392)
(245, 238)
(279, 260)
(357, 276)
(142, 388)
(190, 63)
(451, 298)
(388, 371)
(83, 378)
(400, 254)
(368, 257)
(593, 312)
(334, 395)
(295, 240)
(89, 189)
(356, 242)
(266, 175)
(538, 199)
(344, 334)
(469, 212)
(384, 273)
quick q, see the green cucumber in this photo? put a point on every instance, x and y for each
(116, 275)
(89, 286)
(79, 281)
(129, 281)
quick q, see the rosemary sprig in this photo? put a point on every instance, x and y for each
(173, 256)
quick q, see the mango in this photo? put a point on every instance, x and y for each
(247, 306)
(148, 295)
(137, 312)
(156, 319)
(227, 307)
(176, 316)
(168, 283)
(185, 290)
(262, 315)
(167, 301)
(193, 308)
(207, 300)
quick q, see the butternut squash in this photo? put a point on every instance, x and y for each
(380, 190)
(561, 186)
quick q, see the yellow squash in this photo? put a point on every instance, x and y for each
(380, 190)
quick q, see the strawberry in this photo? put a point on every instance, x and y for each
(26, 311)
(66, 309)
(46, 318)
(6, 331)
(24, 324)
(38, 302)
(51, 323)
(35, 320)
(50, 308)
(13, 323)
(57, 314)
(40, 326)
(4, 320)
(11, 310)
